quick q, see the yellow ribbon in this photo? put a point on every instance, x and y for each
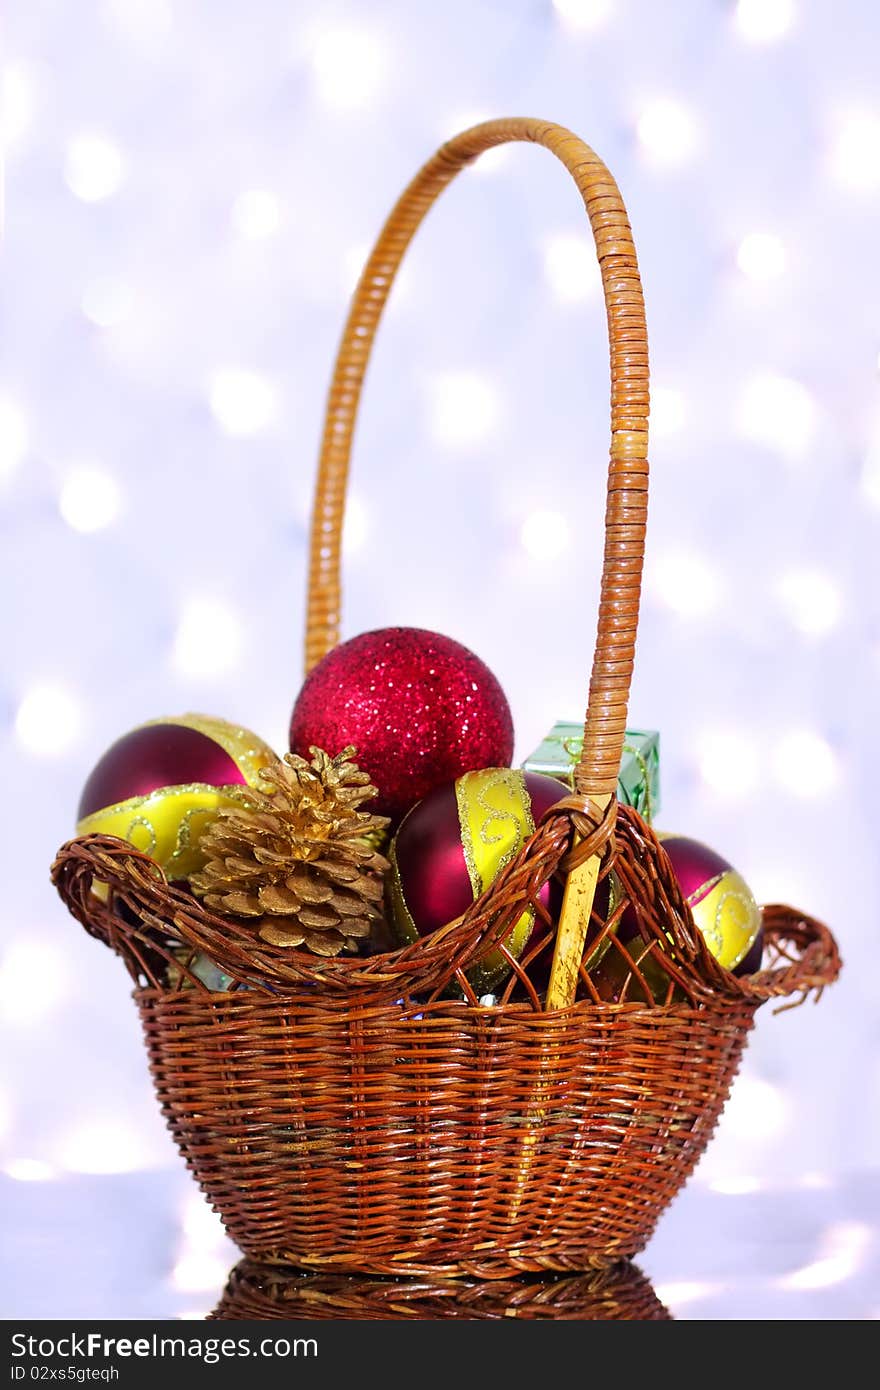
(495, 818)
(167, 824)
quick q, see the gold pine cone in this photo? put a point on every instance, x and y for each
(300, 857)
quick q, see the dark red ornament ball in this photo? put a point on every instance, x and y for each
(751, 963)
(430, 857)
(157, 755)
(419, 708)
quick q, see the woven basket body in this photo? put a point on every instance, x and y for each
(347, 1114)
(466, 1141)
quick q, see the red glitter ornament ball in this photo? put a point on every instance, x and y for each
(419, 708)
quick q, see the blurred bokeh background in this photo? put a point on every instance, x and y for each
(191, 190)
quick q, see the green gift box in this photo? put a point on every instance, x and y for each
(638, 783)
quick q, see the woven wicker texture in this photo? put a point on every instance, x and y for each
(264, 1292)
(364, 1114)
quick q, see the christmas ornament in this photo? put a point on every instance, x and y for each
(420, 709)
(452, 845)
(751, 963)
(723, 908)
(296, 858)
(722, 903)
(161, 784)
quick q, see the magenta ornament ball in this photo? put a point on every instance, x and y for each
(752, 962)
(155, 756)
(722, 903)
(430, 859)
(419, 709)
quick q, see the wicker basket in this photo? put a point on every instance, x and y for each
(268, 1292)
(347, 1114)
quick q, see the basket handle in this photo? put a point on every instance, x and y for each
(627, 497)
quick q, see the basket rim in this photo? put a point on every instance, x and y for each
(333, 1002)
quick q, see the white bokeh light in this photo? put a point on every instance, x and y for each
(13, 437)
(728, 762)
(464, 408)
(209, 638)
(106, 301)
(668, 411)
(545, 534)
(582, 16)
(101, 1145)
(855, 151)
(757, 1111)
(811, 599)
(94, 167)
(144, 21)
(350, 68)
(764, 21)
(683, 581)
(200, 1271)
(571, 267)
(842, 1253)
(761, 256)
(24, 965)
(815, 1181)
(48, 721)
(256, 214)
(243, 402)
(203, 1261)
(804, 763)
(736, 1185)
(19, 86)
(679, 1293)
(202, 1227)
(29, 1170)
(89, 499)
(779, 413)
(668, 132)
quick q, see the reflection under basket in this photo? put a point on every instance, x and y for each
(263, 1292)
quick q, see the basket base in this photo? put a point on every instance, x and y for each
(488, 1262)
(261, 1291)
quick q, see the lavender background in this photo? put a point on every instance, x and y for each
(191, 190)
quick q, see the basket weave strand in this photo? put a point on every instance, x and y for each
(350, 1115)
